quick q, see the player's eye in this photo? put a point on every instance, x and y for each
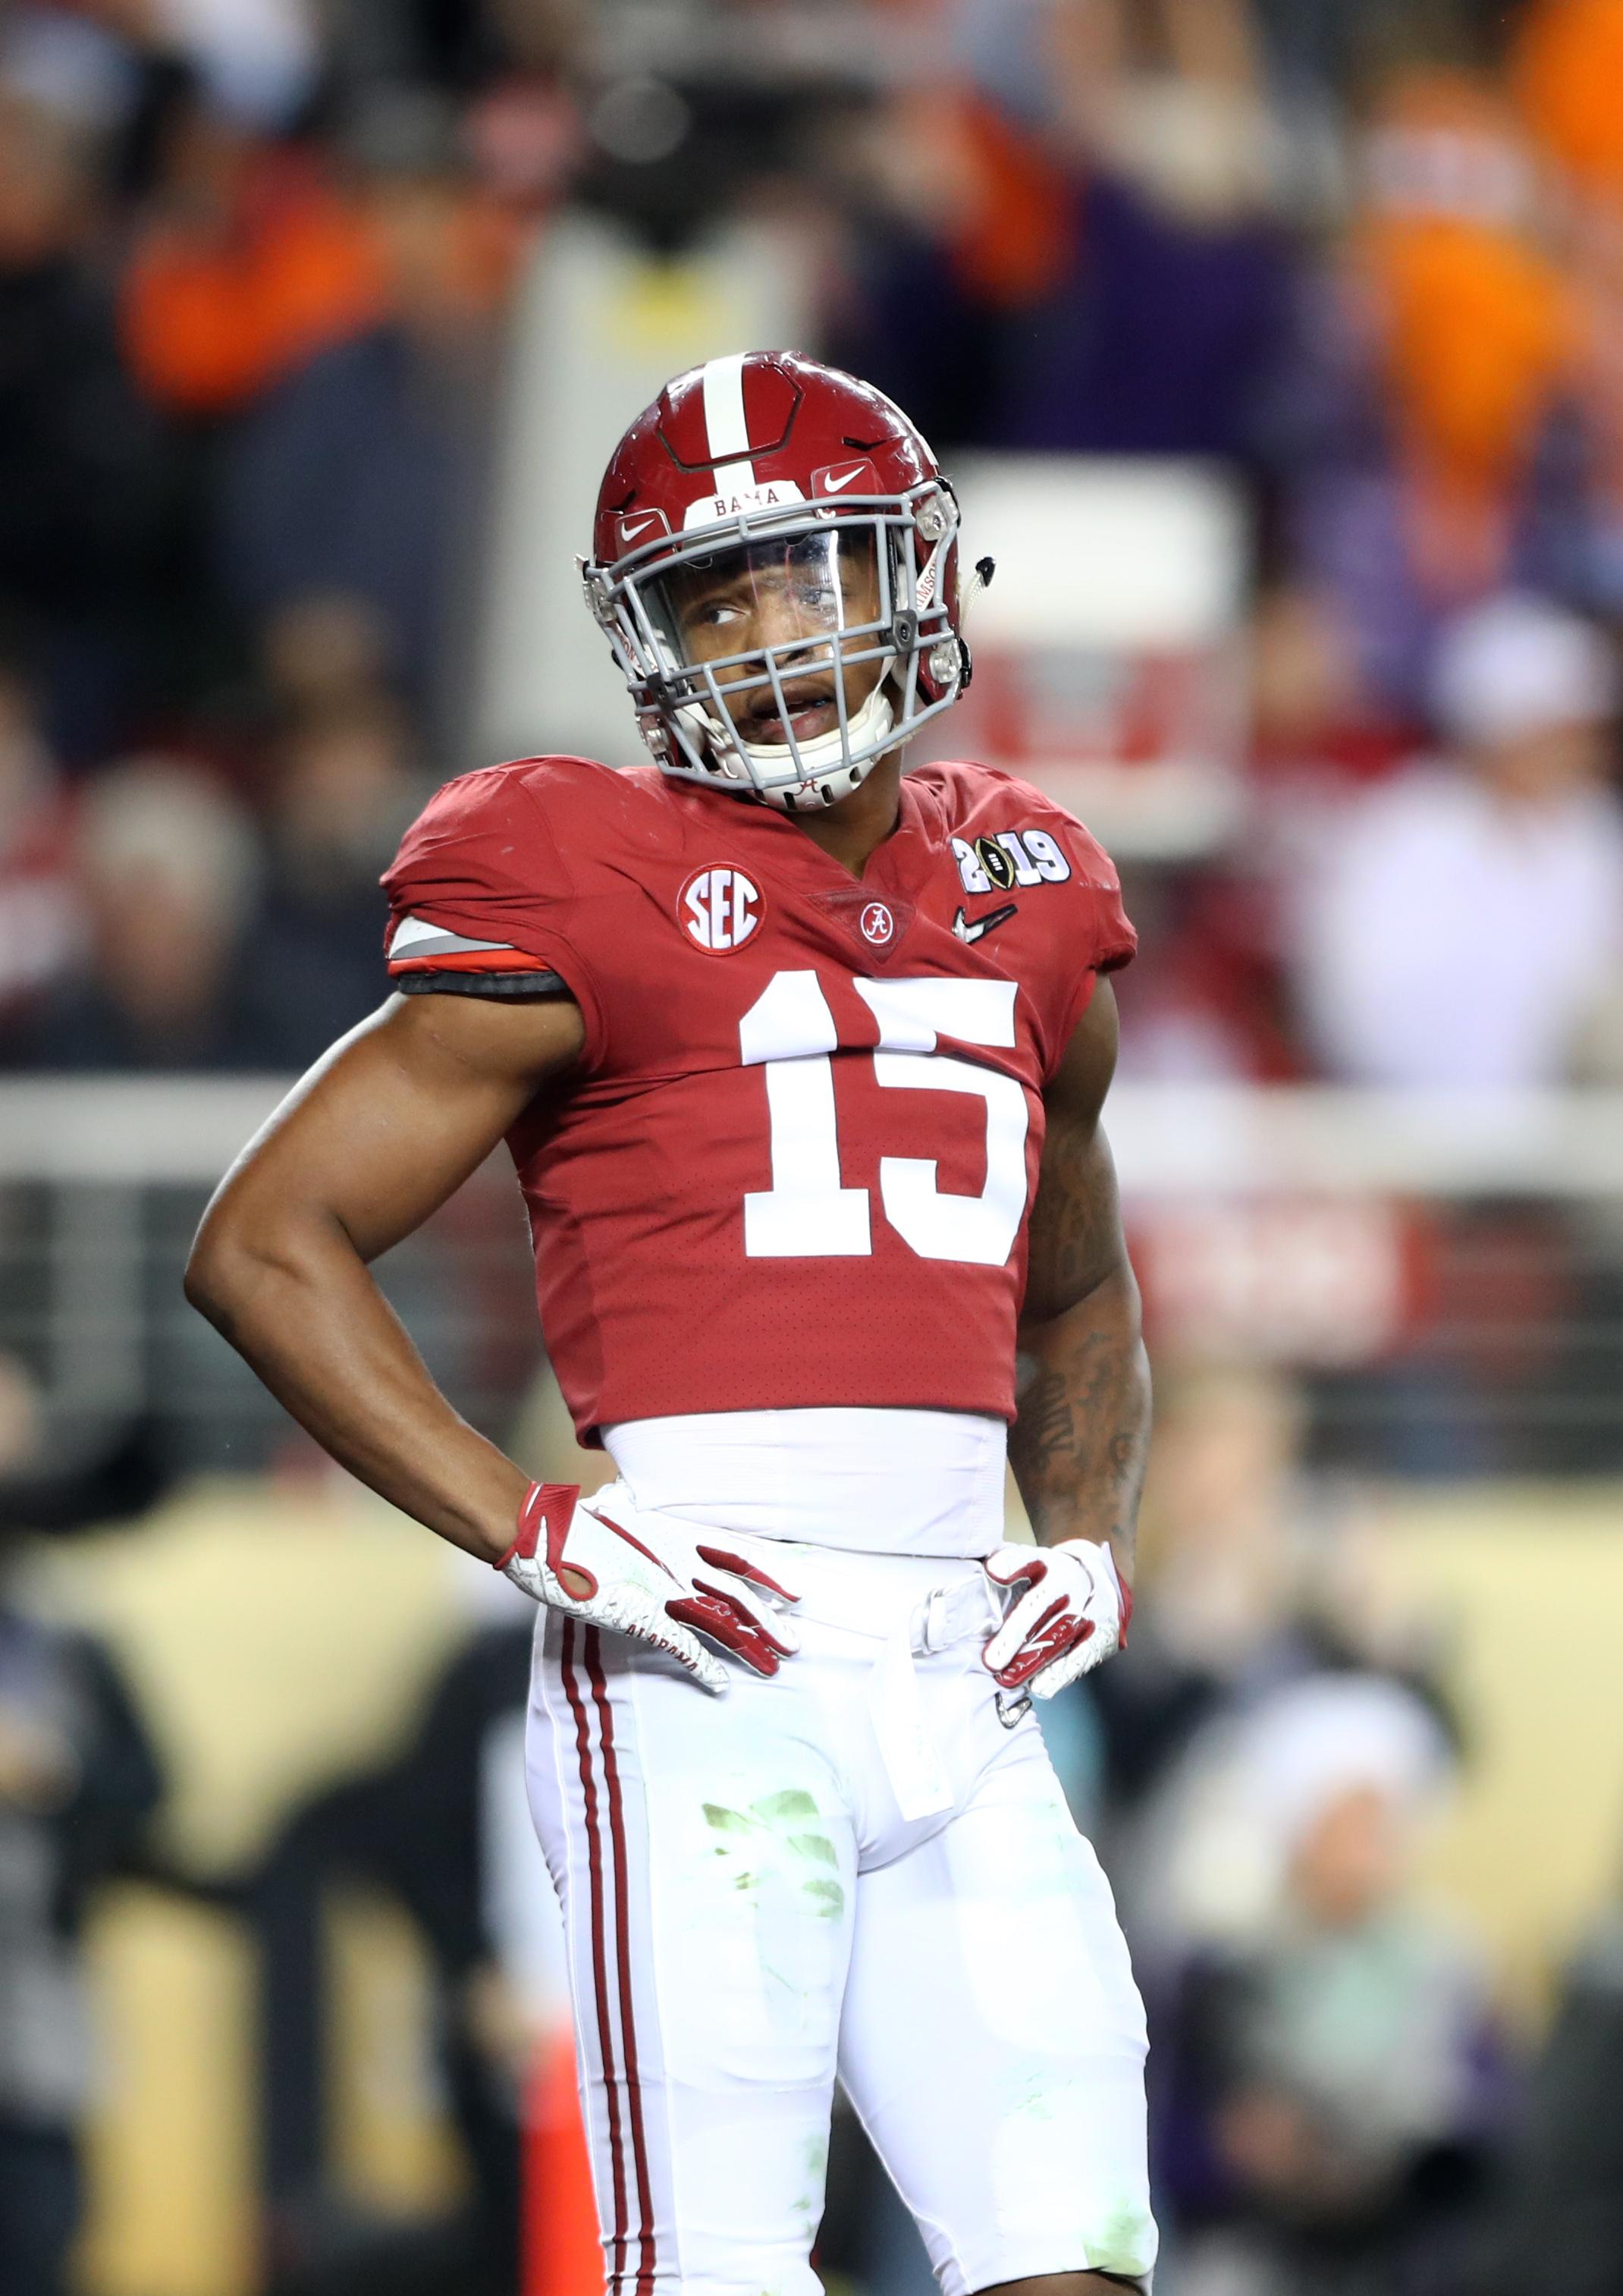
(714, 614)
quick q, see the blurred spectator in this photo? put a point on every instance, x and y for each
(1206, 1005)
(1171, 96)
(81, 473)
(1226, 1562)
(255, 60)
(1474, 327)
(168, 867)
(344, 794)
(361, 471)
(78, 1780)
(1566, 73)
(1252, 1581)
(61, 59)
(1566, 67)
(1331, 2081)
(1315, 726)
(1045, 266)
(248, 262)
(1439, 364)
(1209, 998)
(322, 652)
(1465, 914)
(425, 1829)
(38, 910)
(524, 138)
(1559, 2221)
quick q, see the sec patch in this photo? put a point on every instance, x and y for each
(719, 908)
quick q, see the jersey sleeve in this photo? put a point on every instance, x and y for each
(1113, 942)
(1104, 939)
(481, 901)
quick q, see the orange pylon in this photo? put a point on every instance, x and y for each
(562, 2253)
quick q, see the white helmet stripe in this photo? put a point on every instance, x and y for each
(726, 428)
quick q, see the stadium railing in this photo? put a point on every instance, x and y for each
(1444, 1270)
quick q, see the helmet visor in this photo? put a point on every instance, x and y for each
(788, 635)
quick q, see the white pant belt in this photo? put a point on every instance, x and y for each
(843, 1593)
(948, 1613)
(896, 1700)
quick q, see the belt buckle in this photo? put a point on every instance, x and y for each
(936, 1628)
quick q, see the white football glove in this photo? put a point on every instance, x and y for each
(1073, 1616)
(609, 1563)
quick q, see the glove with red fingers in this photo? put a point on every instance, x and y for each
(1073, 1616)
(665, 1581)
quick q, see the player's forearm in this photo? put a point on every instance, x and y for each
(1078, 1446)
(302, 1308)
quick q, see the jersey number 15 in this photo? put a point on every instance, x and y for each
(805, 1213)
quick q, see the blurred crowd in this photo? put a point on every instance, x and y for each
(257, 263)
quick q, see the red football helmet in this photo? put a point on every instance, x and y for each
(798, 509)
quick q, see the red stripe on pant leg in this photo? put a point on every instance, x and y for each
(600, 1971)
(622, 1947)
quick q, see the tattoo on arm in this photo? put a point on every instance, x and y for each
(1078, 1448)
(1075, 1221)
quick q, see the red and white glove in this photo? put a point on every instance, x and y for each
(609, 1563)
(1073, 1616)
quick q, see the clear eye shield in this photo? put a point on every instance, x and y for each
(784, 640)
(783, 654)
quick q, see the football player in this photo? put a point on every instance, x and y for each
(800, 1064)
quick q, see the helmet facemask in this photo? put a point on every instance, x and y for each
(783, 656)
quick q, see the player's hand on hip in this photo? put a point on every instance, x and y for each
(1071, 1617)
(667, 1582)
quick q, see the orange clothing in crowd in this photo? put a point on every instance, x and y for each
(212, 316)
(1018, 237)
(1476, 324)
(1002, 207)
(1569, 75)
(1477, 331)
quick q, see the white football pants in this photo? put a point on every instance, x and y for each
(852, 1868)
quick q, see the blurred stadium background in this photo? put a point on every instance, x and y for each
(1279, 346)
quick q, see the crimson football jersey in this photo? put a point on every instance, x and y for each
(795, 1162)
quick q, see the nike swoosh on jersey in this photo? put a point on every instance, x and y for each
(965, 930)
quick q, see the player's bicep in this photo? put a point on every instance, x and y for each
(392, 1121)
(1078, 1085)
(1076, 1239)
